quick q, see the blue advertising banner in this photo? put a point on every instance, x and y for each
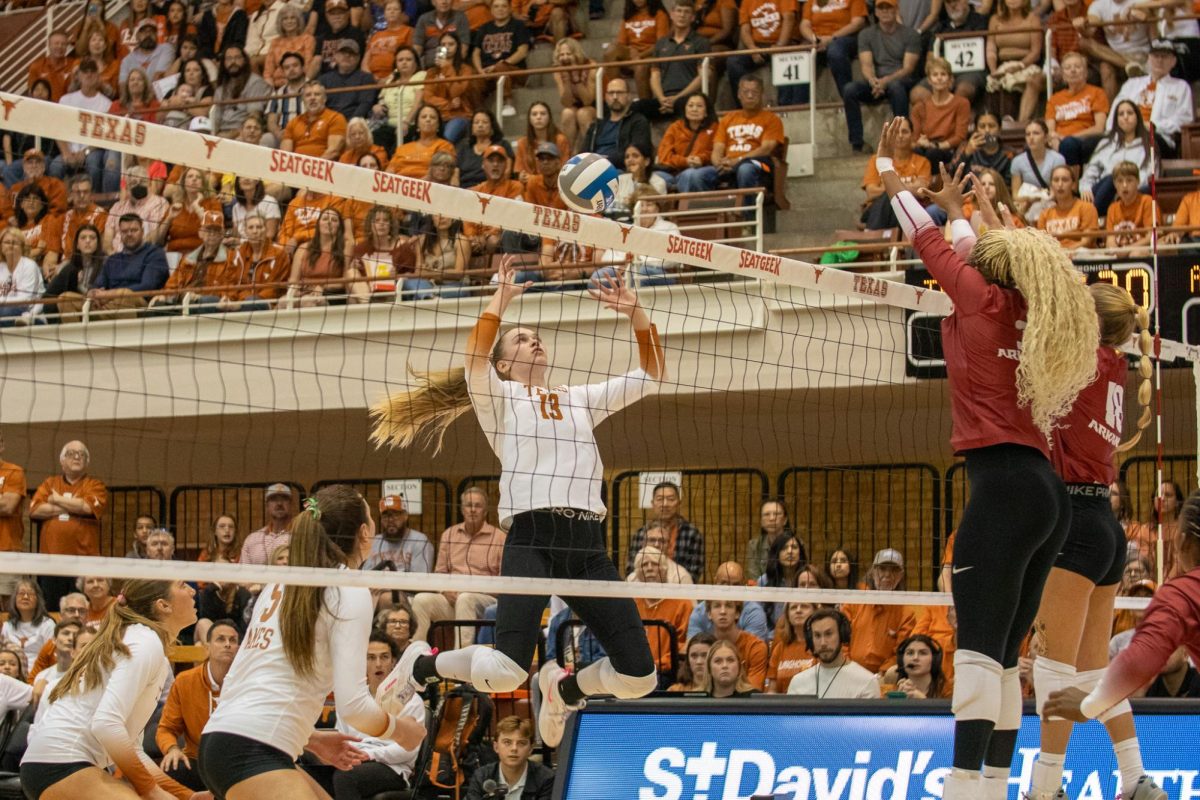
(704, 750)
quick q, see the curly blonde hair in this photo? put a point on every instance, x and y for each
(1058, 347)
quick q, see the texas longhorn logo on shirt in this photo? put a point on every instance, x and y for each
(637, 27)
(765, 19)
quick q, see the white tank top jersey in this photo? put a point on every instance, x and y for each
(87, 726)
(264, 699)
(545, 438)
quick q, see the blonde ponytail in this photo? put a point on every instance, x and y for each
(1058, 348)
(421, 415)
(1119, 318)
(133, 606)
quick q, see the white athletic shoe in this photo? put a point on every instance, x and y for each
(1146, 789)
(399, 686)
(554, 712)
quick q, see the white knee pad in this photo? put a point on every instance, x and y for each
(602, 678)
(492, 671)
(1009, 718)
(1088, 680)
(977, 686)
(1051, 676)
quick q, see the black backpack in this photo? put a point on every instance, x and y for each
(458, 740)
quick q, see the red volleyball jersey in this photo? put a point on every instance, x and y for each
(1088, 436)
(981, 341)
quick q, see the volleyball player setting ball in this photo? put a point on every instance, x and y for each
(550, 503)
(1019, 347)
(1075, 618)
(303, 642)
(99, 710)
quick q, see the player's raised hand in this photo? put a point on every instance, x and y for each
(506, 279)
(610, 290)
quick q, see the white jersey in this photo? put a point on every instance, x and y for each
(109, 719)
(386, 751)
(28, 636)
(263, 698)
(48, 679)
(545, 437)
(14, 694)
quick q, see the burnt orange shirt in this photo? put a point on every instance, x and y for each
(712, 23)
(908, 170)
(411, 159)
(833, 15)
(1073, 112)
(1188, 212)
(878, 631)
(526, 162)
(183, 235)
(73, 220)
(12, 526)
(765, 18)
(742, 133)
(675, 613)
(505, 187)
(788, 661)
(189, 704)
(47, 657)
(58, 73)
(641, 30)
(45, 234)
(380, 58)
(352, 156)
(300, 222)
(72, 534)
(56, 192)
(1122, 217)
(273, 266)
(680, 141)
(311, 136)
(947, 122)
(187, 274)
(538, 193)
(753, 651)
(1081, 216)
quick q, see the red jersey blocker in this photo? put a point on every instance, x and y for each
(1018, 514)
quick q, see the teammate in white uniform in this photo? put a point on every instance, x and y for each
(100, 708)
(303, 642)
(550, 503)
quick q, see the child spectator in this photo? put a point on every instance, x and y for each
(939, 122)
(1127, 140)
(1068, 213)
(1130, 210)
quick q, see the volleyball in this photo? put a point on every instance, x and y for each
(588, 183)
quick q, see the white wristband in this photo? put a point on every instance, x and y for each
(884, 164)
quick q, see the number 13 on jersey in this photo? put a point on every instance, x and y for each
(547, 402)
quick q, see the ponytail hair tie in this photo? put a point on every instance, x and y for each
(121, 599)
(313, 507)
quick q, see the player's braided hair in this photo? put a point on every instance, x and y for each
(1058, 347)
(1120, 317)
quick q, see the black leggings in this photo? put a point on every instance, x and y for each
(366, 780)
(1011, 532)
(552, 545)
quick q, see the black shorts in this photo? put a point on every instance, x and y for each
(1095, 546)
(227, 759)
(37, 777)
